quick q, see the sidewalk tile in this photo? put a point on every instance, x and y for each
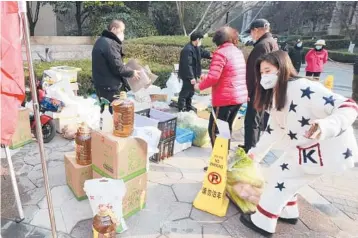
(12, 229)
(215, 231)
(60, 195)
(182, 229)
(186, 192)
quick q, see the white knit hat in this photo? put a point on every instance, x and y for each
(320, 42)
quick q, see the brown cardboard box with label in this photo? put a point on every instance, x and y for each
(116, 157)
(76, 175)
(136, 194)
(22, 135)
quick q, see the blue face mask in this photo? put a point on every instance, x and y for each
(318, 47)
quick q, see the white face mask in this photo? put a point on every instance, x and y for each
(318, 47)
(299, 44)
(121, 36)
(269, 81)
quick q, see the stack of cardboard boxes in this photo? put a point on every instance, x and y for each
(116, 158)
(122, 158)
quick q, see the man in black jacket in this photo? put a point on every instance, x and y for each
(297, 56)
(109, 74)
(190, 69)
(263, 43)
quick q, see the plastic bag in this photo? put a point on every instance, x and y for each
(62, 91)
(152, 136)
(198, 125)
(244, 182)
(161, 106)
(52, 105)
(69, 131)
(174, 83)
(107, 192)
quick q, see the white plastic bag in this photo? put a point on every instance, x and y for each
(174, 83)
(108, 192)
(151, 135)
(62, 91)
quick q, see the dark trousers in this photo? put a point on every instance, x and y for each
(314, 74)
(297, 66)
(255, 123)
(107, 93)
(226, 113)
(185, 97)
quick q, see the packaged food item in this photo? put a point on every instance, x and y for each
(83, 145)
(123, 116)
(105, 222)
(106, 197)
(244, 182)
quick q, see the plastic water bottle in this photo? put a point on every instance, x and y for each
(106, 120)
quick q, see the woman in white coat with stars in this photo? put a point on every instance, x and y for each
(312, 124)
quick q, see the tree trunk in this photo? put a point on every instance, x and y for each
(355, 81)
(32, 29)
(78, 18)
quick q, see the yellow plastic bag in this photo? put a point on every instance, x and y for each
(244, 182)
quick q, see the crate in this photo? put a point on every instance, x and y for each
(67, 72)
(166, 150)
(167, 123)
(184, 135)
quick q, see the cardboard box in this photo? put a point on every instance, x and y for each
(136, 194)
(116, 157)
(22, 135)
(159, 97)
(68, 116)
(76, 175)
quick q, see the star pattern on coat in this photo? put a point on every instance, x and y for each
(306, 93)
(280, 186)
(292, 135)
(304, 122)
(329, 100)
(269, 129)
(284, 166)
(293, 107)
(341, 132)
(347, 154)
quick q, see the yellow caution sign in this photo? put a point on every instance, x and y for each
(328, 83)
(212, 198)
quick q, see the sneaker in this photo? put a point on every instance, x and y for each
(292, 221)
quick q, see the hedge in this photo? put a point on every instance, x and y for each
(159, 52)
(330, 44)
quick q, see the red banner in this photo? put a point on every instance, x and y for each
(12, 71)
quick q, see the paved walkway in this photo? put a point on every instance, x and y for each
(172, 187)
(329, 206)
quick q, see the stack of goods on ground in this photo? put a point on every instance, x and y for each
(244, 182)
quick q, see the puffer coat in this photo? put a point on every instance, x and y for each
(227, 77)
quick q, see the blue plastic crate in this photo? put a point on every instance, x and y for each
(184, 135)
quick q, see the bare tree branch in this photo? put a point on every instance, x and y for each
(37, 12)
(246, 10)
(220, 15)
(181, 17)
(202, 18)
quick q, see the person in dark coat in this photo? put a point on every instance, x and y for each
(190, 69)
(109, 73)
(264, 43)
(297, 56)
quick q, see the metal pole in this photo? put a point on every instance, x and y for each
(14, 185)
(39, 135)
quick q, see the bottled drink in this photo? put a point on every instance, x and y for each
(106, 120)
(83, 145)
(123, 116)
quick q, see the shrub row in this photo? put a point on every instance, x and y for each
(330, 44)
(159, 52)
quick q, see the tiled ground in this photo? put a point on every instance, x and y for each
(172, 187)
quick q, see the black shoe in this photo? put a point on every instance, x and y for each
(292, 221)
(206, 168)
(246, 220)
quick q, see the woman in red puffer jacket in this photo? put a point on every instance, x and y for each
(227, 79)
